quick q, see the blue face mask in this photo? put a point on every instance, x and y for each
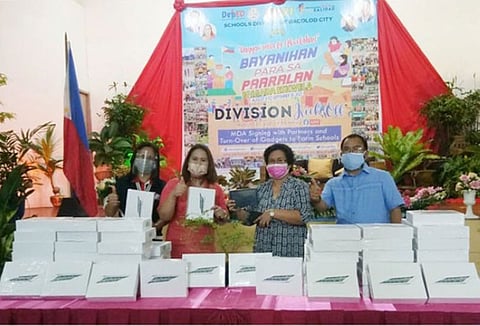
(352, 161)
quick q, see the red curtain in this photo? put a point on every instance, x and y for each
(407, 78)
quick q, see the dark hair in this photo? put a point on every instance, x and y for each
(211, 172)
(282, 147)
(138, 147)
(354, 136)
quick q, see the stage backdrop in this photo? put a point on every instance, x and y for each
(305, 73)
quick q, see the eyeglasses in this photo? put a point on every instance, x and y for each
(355, 149)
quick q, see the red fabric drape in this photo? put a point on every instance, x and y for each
(407, 79)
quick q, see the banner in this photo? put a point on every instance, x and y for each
(304, 73)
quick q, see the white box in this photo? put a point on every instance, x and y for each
(333, 232)
(66, 279)
(126, 258)
(139, 204)
(396, 283)
(200, 203)
(125, 225)
(22, 279)
(161, 249)
(387, 244)
(34, 236)
(33, 250)
(387, 230)
(81, 236)
(125, 248)
(205, 270)
(441, 231)
(129, 236)
(279, 276)
(32, 256)
(75, 256)
(75, 246)
(333, 245)
(165, 278)
(451, 282)
(441, 255)
(388, 255)
(113, 281)
(241, 268)
(435, 217)
(329, 256)
(332, 282)
(441, 244)
(57, 224)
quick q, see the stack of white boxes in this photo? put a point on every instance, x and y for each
(77, 239)
(128, 239)
(331, 256)
(383, 243)
(439, 236)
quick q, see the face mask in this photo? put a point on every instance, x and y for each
(352, 161)
(197, 170)
(277, 171)
(144, 166)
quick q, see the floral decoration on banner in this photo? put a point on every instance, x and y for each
(301, 173)
(469, 181)
(103, 187)
(423, 197)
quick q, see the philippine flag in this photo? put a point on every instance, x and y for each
(228, 49)
(77, 160)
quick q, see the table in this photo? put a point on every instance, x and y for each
(231, 306)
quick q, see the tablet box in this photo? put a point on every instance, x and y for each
(461, 255)
(125, 258)
(369, 256)
(35, 236)
(125, 248)
(322, 232)
(139, 204)
(113, 281)
(334, 245)
(441, 231)
(451, 282)
(205, 270)
(75, 246)
(128, 236)
(329, 256)
(435, 217)
(386, 231)
(80, 236)
(22, 279)
(241, 268)
(388, 244)
(164, 278)
(396, 282)
(76, 256)
(66, 279)
(332, 282)
(124, 225)
(200, 203)
(161, 249)
(279, 276)
(33, 250)
(57, 224)
(441, 243)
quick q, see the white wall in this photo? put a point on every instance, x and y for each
(112, 40)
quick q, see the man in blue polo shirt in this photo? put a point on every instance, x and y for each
(361, 194)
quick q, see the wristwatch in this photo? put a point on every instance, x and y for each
(272, 213)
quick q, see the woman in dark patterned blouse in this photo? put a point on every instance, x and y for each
(285, 203)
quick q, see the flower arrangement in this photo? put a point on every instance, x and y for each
(424, 197)
(469, 181)
(103, 187)
(301, 173)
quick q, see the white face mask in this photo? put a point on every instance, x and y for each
(197, 170)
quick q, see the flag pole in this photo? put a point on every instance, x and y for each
(66, 50)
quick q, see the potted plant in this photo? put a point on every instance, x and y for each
(402, 152)
(452, 115)
(453, 167)
(43, 160)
